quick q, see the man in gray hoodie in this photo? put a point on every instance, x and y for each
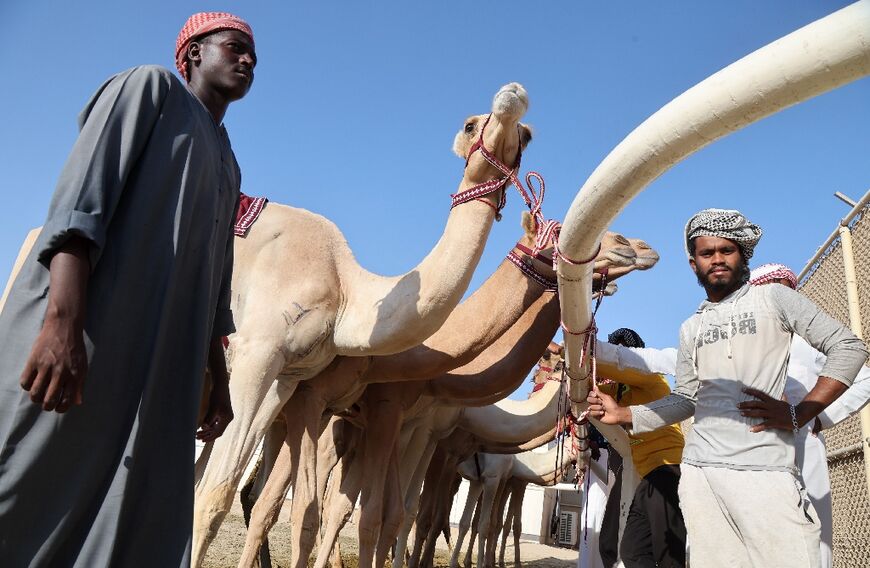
(741, 499)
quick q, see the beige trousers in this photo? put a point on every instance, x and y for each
(747, 519)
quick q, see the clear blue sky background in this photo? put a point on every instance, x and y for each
(355, 106)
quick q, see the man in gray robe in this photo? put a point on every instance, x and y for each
(115, 314)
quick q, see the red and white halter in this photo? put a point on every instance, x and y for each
(509, 175)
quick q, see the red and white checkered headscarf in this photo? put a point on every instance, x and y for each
(205, 23)
(769, 272)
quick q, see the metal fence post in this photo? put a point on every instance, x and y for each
(857, 329)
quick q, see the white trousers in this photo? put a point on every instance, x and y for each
(747, 519)
(591, 516)
(811, 458)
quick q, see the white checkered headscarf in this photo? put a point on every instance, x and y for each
(769, 272)
(727, 224)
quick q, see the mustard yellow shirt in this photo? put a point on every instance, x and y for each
(650, 449)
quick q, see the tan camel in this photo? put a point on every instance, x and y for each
(510, 425)
(418, 437)
(378, 405)
(335, 307)
(491, 477)
(533, 422)
(26, 246)
(819, 57)
(469, 329)
(442, 420)
(460, 444)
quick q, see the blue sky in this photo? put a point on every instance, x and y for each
(355, 106)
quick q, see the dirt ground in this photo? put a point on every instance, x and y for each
(227, 548)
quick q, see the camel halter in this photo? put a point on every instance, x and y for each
(475, 193)
(526, 267)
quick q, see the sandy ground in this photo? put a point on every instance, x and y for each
(227, 548)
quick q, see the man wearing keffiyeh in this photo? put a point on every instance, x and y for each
(805, 364)
(739, 491)
(116, 312)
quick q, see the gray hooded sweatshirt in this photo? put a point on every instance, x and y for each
(743, 341)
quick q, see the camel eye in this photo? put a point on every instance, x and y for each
(469, 128)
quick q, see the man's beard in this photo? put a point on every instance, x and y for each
(724, 286)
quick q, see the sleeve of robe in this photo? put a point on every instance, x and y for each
(113, 130)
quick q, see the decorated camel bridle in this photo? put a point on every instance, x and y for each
(547, 231)
(546, 234)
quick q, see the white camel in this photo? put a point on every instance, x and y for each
(493, 478)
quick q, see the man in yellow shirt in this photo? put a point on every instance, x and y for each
(655, 534)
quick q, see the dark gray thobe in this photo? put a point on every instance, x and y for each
(152, 183)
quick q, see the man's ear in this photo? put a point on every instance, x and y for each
(692, 264)
(194, 52)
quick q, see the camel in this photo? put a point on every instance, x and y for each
(495, 477)
(335, 307)
(471, 327)
(817, 58)
(510, 425)
(26, 246)
(440, 423)
(418, 437)
(458, 444)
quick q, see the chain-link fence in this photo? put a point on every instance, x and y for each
(825, 285)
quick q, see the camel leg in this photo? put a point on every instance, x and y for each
(519, 494)
(305, 506)
(440, 510)
(514, 488)
(257, 398)
(256, 484)
(505, 533)
(490, 494)
(474, 491)
(497, 522)
(344, 489)
(335, 560)
(475, 522)
(384, 419)
(265, 512)
(427, 505)
(414, 471)
(331, 446)
(394, 511)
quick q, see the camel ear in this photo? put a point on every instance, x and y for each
(525, 135)
(527, 222)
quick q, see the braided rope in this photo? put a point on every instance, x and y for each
(533, 200)
(527, 269)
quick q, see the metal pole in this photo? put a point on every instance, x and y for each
(857, 328)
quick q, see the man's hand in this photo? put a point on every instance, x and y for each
(774, 413)
(218, 416)
(605, 409)
(54, 374)
(55, 371)
(220, 412)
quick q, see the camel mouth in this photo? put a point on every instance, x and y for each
(621, 256)
(647, 261)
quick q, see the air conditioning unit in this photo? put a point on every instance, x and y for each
(567, 529)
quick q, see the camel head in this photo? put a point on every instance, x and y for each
(549, 365)
(618, 255)
(504, 136)
(646, 257)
